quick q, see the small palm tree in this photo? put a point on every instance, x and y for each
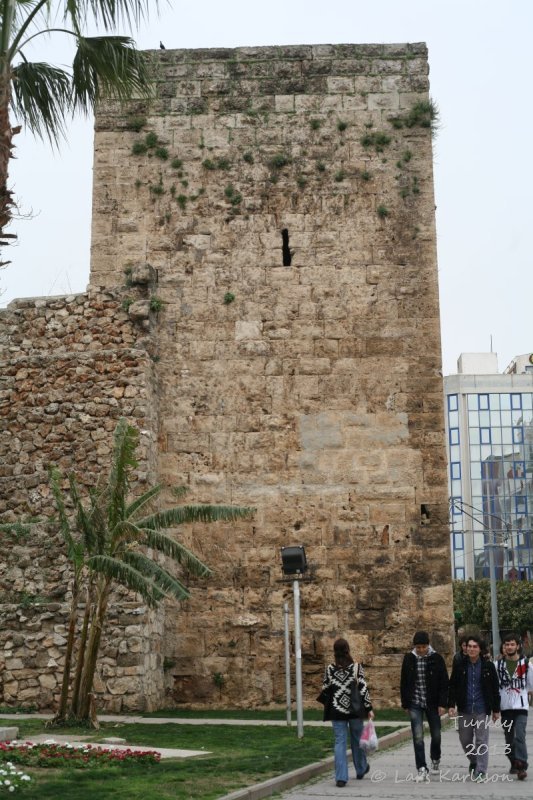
(107, 538)
(43, 96)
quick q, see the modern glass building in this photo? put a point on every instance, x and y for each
(489, 428)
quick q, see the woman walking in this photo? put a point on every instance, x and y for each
(348, 705)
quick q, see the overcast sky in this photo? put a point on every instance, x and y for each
(481, 80)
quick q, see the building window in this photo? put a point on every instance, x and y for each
(458, 541)
(456, 506)
(521, 506)
(516, 402)
(452, 402)
(455, 470)
(459, 573)
(519, 470)
(484, 435)
(454, 436)
(518, 435)
(483, 402)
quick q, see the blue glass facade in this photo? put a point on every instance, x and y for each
(490, 449)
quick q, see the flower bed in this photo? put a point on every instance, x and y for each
(12, 778)
(52, 754)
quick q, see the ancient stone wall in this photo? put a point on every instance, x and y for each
(284, 200)
(69, 368)
(32, 654)
(284, 197)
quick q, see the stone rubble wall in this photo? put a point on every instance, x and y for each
(32, 656)
(70, 367)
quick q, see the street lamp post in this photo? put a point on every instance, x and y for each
(294, 563)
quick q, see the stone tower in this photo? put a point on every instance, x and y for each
(269, 215)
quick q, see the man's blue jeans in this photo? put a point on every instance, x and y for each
(515, 736)
(417, 729)
(340, 731)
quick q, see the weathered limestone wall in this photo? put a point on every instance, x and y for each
(309, 389)
(284, 200)
(69, 368)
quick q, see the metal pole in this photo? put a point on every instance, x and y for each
(298, 653)
(494, 601)
(287, 662)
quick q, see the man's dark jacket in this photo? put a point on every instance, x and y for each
(489, 685)
(436, 680)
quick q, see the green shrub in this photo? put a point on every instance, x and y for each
(135, 123)
(138, 148)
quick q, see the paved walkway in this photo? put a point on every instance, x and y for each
(392, 772)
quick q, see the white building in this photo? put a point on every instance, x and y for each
(489, 429)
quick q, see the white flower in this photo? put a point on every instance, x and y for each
(11, 788)
(7, 783)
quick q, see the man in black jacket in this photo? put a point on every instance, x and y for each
(424, 692)
(475, 691)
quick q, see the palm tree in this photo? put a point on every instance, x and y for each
(43, 96)
(107, 540)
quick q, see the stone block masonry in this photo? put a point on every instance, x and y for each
(283, 198)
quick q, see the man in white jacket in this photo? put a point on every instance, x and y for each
(515, 676)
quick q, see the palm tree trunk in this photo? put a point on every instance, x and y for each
(63, 701)
(74, 706)
(93, 647)
(6, 133)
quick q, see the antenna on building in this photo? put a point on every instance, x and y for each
(491, 343)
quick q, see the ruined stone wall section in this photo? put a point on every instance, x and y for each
(70, 367)
(285, 198)
(32, 655)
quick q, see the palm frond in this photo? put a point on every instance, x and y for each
(98, 517)
(42, 98)
(109, 13)
(166, 582)
(54, 478)
(126, 439)
(179, 515)
(141, 501)
(83, 519)
(125, 574)
(124, 531)
(107, 66)
(177, 551)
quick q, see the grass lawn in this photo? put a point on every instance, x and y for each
(385, 715)
(239, 756)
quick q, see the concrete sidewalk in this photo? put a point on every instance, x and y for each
(392, 773)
